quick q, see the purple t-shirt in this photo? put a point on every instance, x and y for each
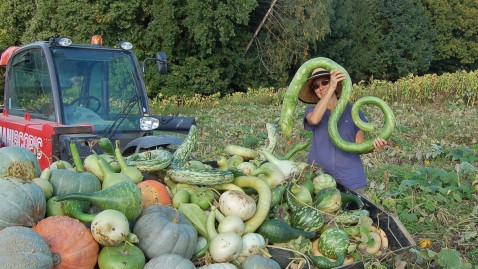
(345, 167)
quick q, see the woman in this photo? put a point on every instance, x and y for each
(323, 89)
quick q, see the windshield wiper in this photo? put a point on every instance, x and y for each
(121, 116)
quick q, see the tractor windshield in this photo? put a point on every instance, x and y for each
(98, 87)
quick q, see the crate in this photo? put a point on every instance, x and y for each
(398, 237)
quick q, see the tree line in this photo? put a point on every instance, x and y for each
(227, 45)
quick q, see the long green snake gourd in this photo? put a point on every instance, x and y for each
(289, 105)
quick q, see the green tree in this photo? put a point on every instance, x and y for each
(204, 42)
(408, 37)
(15, 15)
(285, 38)
(379, 38)
(355, 40)
(456, 44)
(113, 20)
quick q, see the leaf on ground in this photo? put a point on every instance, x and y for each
(449, 259)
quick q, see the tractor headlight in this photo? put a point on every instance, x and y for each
(148, 123)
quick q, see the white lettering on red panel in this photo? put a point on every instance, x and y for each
(12, 137)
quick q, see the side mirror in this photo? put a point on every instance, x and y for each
(162, 62)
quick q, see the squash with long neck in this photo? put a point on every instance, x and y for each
(124, 197)
(130, 171)
(110, 178)
(65, 181)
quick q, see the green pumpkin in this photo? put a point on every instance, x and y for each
(170, 261)
(20, 162)
(66, 181)
(162, 230)
(259, 262)
(328, 200)
(124, 256)
(22, 248)
(22, 202)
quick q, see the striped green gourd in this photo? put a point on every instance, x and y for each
(182, 153)
(304, 217)
(150, 161)
(199, 176)
(350, 217)
(180, 174)
(333, 244)
(290, 103)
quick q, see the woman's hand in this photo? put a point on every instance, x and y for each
(379, 144)
(336, 76)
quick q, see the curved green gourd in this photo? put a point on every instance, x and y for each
(290, 102)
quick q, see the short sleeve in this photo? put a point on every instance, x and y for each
(307, 126)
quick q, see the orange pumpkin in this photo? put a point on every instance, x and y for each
(154, 193)
(70, 241)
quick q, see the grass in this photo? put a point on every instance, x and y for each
(432, 136)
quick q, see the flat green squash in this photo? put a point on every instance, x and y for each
(22, 248)
(20, 162)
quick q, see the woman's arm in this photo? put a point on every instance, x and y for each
(315, 116)
(360, 136)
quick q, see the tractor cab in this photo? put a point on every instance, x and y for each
(81, 91)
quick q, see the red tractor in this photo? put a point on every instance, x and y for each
(57, 92)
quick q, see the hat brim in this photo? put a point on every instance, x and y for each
(306, 95)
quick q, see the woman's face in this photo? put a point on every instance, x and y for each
(320, 86)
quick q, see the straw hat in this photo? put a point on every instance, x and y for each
(307, 95)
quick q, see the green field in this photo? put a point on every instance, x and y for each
(427, 176)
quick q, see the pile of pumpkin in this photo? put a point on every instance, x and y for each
(235, 213)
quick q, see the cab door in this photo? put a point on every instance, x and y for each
(28, 86)
(28, 119)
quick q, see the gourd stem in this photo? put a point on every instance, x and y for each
(56, 258)
(132, 238)
(119, 158)
(211, 224)
(76, 158)
(59, 163)
(219, 215)
(176, 217)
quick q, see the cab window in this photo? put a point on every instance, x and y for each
(29, 87)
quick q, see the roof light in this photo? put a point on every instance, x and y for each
(64, 41)
(126, 45)
(60, 41)
(96, 40)
(148, 123)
